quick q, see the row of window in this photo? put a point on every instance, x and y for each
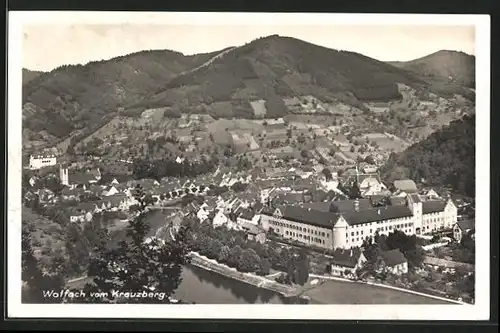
(304, 237)
(435, 219)
(292, 226)
(395, 227)
(46, 161)
(407, 231)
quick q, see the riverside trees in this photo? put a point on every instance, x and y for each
(138, 263)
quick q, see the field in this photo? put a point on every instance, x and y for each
(386, 142)
(259, 108)
(338, 292)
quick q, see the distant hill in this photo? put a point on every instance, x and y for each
(446, 157)
(76, 96)
(222, 84)
(274, 67)
(29, 75)
(448, 66)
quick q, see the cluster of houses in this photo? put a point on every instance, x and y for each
(345, 263)
(298, 204)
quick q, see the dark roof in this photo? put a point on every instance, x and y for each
(349, 205)
(347, 258)
(83, 208)
(332, 196)
(319, 206)
(415, 198)
(433, 206)
(308, 216)
(68, 191)
(393, 257)
(376, 214)
(376, 198)
(266, 210)
(406, 185)
(95, 189)
(81, 178)
(246, 214)
(289, 198)
(466, 224)
(397, 201)
(115, 199)
(257, 207)
(252, 229)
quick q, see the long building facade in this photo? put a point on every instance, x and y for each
(344, 230)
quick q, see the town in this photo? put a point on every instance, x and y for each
(336, 214)
(274, 170)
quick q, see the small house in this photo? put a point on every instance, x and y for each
(254, 233)
(245, 217)
(393, 262)
(346, 262)
(462, 228)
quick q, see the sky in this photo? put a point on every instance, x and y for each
(47, 46)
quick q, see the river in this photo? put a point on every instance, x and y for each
(205, 287)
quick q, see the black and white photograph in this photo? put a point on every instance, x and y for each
(224, 165)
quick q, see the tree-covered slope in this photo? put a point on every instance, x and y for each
(447, 157)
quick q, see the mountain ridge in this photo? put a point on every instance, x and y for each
(445, 65)
(220, 83)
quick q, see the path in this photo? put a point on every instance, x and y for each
(209, 62)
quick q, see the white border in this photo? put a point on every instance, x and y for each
(479, 311)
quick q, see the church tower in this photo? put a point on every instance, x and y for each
(63, 175)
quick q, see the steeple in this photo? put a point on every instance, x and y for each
(63, 174)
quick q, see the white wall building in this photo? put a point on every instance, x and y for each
(42, 161)
(349, 229)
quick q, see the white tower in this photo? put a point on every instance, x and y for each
(416, 209)
(63, 175)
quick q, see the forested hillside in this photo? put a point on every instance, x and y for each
(447, 157)
(78, 96)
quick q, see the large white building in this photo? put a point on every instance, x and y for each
(348, 229)
(42, 161)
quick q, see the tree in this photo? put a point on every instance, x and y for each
(234, 256)
(354, 191)
(249, 261)
(302, 270)
(407, 245)
(35, 281)
(327, 173)
(264, 267)
(224, 254)
(139, 264)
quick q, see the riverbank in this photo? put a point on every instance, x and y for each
(252, 279)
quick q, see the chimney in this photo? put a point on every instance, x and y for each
(350, 255)
(378, 212)
(356, 205)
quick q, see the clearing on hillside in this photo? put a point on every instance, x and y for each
(259, 108)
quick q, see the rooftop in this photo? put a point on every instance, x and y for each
(433, 206)
(376, 214)
(466, 224)
(347, 258)
(406, 185)
(393, 257)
